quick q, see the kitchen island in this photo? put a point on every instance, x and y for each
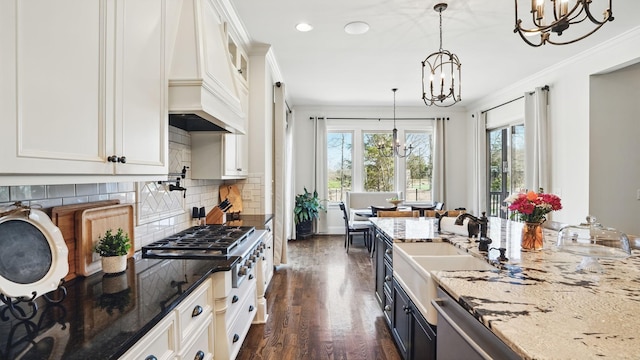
(537, 304)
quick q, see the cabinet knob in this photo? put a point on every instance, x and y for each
(387, 278)
(197, 310)
(388, 251)
(387, 308)
(239, 169)
(234, 299)
(251, 308)
(112, 158)
(236, 337)
(250, 276)
(122, 159)
(199, 355)
(151, 357)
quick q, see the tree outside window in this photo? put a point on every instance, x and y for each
(379, 170)
(419, 167)
(339, 164)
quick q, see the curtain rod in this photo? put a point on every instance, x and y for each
(546, 88)
(365, 118)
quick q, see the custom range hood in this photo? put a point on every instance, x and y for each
(203, 93)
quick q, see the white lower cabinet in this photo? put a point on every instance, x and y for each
(200, 347)
(158, 344)
(185, 333)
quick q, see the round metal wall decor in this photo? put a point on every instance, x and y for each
(34, 258)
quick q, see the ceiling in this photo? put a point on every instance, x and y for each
(327, 67)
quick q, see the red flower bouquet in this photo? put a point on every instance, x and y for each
(532, 206)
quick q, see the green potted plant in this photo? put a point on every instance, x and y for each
(307, 208)
(113, 249)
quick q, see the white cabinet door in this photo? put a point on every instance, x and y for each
(84, 80)
(235, 155)
(52, 93)
(141, 85)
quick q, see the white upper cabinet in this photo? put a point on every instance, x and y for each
(83, 81)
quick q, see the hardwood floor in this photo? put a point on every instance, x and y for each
(322, 305)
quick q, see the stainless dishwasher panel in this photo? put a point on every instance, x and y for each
(460, 336)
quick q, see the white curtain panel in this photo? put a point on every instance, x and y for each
(439, 174)
(320, 166)
(479, 203)
(537, 164)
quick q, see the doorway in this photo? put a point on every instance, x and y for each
(505, 149)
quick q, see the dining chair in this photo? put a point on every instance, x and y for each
(412, 213)
(375, 209)
(355, 227)
(422, 209)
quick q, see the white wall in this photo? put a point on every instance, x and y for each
(569, 117)
(614, 157)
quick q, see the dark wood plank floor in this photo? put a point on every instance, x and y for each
(322, 305)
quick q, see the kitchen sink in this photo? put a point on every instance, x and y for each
(460, 262)
(428, 248)
(413, 271)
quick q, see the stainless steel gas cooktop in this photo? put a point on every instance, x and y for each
(199, 241)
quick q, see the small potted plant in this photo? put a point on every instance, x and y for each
(307, 208)
(113, 249)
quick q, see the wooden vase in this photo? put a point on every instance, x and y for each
(532, 237)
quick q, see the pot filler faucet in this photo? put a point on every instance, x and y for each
(178, 188)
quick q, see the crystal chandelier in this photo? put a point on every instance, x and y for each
(394, 150)
(442, 67)
(550, 17)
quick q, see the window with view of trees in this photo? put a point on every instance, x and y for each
(419, 167)
(339, 164)
(354, 161)
(379, 170)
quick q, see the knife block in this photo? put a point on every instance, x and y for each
(216, 216)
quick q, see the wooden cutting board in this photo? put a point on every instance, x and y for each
(93, 223)
(64, 217)
(232, 193)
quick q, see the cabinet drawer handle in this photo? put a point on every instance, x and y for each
(234, 299)
(387, 278)
(199, 355)
(122, 159)
(251, 308)
(239, 169)
(236, 337)
(197, 310)
(151, 357)
(112, 158)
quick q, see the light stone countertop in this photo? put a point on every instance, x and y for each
(538, 304)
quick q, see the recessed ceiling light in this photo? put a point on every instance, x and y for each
(304, 27)
(356, 28)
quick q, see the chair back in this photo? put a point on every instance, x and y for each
(375, 209)
(345, 216)
(414, 213)
(437, 214)
(422, 209)
(439, 206)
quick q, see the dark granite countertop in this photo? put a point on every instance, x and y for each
(101, 317)
(258, 220)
